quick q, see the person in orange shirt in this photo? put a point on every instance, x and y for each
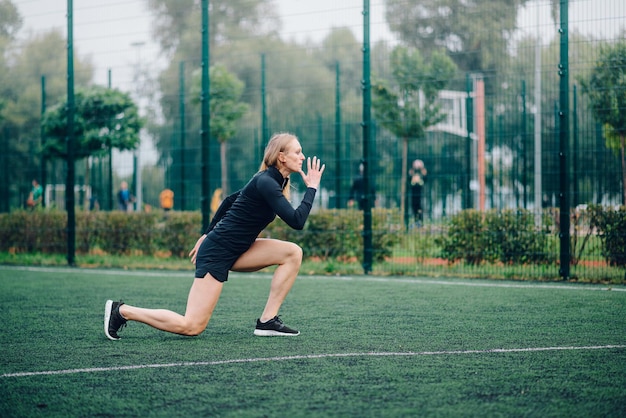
(166, 197)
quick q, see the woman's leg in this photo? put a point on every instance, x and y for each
(271, 252)
(201, 302)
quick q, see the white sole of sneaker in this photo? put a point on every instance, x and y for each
(107, 317)
(272, 333)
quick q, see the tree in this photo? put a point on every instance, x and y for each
(21, 70)
(474, 33)
(409, 106)
(10, 19)
(606, 88)
(226, 109)
(104, 118)
(178, 22)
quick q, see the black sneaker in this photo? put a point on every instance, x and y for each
(274, 328)
(113, 320)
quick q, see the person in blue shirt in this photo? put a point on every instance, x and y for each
(123, 197)
(231, 243)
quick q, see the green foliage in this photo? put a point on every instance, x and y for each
(606, 87)
(125, 232)
(104, 119)
(338, 234)
(514, 238)
(180, 231)
(33, 231)
(400, 107)
(611, 228)
(494, 236)
(464, 239)
(10, 19)
(473, 32)
(225, 102)
(23, 63)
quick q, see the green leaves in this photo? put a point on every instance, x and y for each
(407, 105)
(225, 101)
(606, 87)
(104, 118)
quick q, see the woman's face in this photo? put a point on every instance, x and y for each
(292, 157)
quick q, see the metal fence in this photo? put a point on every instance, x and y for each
(502, 144)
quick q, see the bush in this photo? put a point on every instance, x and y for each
(516, 239)
(507, 236)
(611, 228)
(338, 233)
(33, 231)
(179, 232)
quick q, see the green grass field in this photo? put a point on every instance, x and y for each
(370, 347)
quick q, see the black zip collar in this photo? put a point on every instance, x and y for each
(273, 171)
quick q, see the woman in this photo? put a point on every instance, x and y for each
(231, 243)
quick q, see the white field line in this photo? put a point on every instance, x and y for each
(307, 357)
(416, 280)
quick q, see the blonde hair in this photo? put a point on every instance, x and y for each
(278, 143)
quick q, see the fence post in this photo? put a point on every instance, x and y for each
(367, 131)
(71, 168)
(205, 130)
(563, 143)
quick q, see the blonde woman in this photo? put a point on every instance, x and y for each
(231, 243)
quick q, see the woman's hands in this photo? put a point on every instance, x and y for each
(194, 252)
(313, 176)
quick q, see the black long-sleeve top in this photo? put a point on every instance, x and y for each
(244, 214)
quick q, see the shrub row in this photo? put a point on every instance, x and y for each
(610, 226)
(114, 233)
(512, 237)
(506, 236)
(328, 233)
(338, 234)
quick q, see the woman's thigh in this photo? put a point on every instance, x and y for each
(202, 299)
(266, 252)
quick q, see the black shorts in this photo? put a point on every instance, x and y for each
(215, 259)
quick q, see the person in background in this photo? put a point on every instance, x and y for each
(231, 243)
(357, 191)
(35, 196)
(124, 199)
(166, 198)
(417, 177)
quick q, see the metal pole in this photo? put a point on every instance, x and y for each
(338, 194)
(206, 113)
(264, 133)
(564, 142)
(137, 180)
(367, 131)
(183, 129)
(42, 177)
(524, 146)
(71, 168)
(575, 192)
(469, 111)
(537, 159)
(110, 199)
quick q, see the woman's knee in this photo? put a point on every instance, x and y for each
(193, 329)
(295, 252)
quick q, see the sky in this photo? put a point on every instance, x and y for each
(116, 34)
